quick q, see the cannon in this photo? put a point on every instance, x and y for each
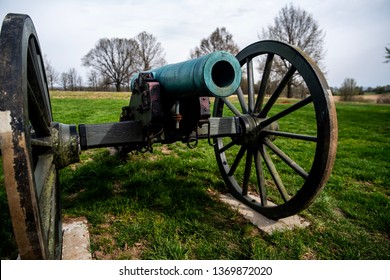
(274, 154)
(170, 104)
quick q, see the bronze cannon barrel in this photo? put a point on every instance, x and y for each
(217, 74)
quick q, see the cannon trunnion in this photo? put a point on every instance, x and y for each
(272, 164)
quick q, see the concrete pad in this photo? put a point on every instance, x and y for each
(75, 239)
(263, 223)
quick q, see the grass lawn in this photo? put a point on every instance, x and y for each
(163, 205)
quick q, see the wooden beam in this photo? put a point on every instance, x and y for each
(110, 134)
(220, 127)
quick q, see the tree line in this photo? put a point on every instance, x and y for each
(349, 89)
(112, 62)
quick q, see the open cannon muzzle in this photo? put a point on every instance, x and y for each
(217, 74)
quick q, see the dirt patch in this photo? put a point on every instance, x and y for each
(339, 213)
(127, 252)
(309, 255)
(165, 150)
(153, 158)
(117, 188)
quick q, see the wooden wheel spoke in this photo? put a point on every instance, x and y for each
(45, 181)
(41, 142)
(264, 82)
(264, 112)
(247, 173)
(38, 114)
(37, 79)
(260, 178)
(226, 147)
(274, 173)
(231, 106)
(241, 99)
(290, 135)
(287, 111)
(42, 172)
(237, 161)
(298, 169)
(251, 89)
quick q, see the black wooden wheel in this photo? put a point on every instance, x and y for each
(27, 142)
(285, 153)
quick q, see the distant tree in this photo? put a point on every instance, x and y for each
(380, 89)
(73, 79)
(359, 90)
(114, 59)
(334, 90)
(64, 80)
(348, 89)
(387, 55)
(93, 79)
(219, 40)
(297, 27)
(51, 74)
(79, 82)
(150, 51)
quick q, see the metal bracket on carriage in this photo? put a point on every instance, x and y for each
(66, 144)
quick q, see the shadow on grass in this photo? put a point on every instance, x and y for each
(163, 204)
(164, 207)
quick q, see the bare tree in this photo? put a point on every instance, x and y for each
(219, 40)
(93, 79)
(150, 51)
(73, 78)
(348, 89)
(64, 79)
(295, 26)
(51, 73)
(114, 59)
(79, 82)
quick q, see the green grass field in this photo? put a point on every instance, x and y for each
(163, 205)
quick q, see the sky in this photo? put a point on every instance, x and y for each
(357, 31)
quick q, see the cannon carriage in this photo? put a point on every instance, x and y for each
(249, 132)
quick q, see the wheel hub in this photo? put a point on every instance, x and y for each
(253, 132)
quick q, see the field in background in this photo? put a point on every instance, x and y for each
(164, 206)
(90, 95)
(367, 98)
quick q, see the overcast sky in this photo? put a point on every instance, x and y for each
(357, 31)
